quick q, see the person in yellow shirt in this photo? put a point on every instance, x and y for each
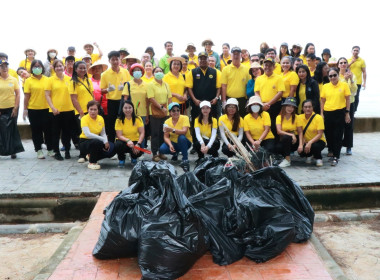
(225, 57)
(290, 77)
(112, 83)
(48, 65)
(130, 132)
(296, 51)
(206, 127)
(193, 58)
(13, 73)
(311, 63)
(177, 137)
(245, 58)
(10, 141)
(313, 141)
(61, 107)
(290, 131)
(148, 75)
(71, 51)
(234, 81)
(88, 60)
(270, 88)
(309, 49)
(271, 53)
(307, 89)
(29, 57)
(89, 48)
(284, 51)
(37, 109)
(335, 102)
(93, 139)
(358, 67)
(257, 125)
(185, 70)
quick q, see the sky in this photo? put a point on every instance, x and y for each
(337, 25)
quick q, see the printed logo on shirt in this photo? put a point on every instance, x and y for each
(10, 84)
(198, 76)
(211, 76)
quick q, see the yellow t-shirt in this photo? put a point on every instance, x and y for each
(82, 93)
(206, 129)
(7, 92)
(95, 57)
(190, 81)
(13, 73)
(303, 59)
(177, 85)
(226, 59)
(111, 77)
(311, 72)
(290, 79)
(36, 88)
(26, 64)
(161, 93)
(268, 87)
(95, 126)
(277, 69)
(236, 80)
(195, 59)
(301, 96)
(247, 64)
(129, 130)
(357, 69)
(288, 125)
(353, 86)
(256, 127)
(147, 80)
(316, 124)
(229, 124)
(138, 96)
(59, 92)
(335, 96)
(183, 121)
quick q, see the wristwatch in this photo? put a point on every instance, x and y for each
(173, 130)
(347, 111)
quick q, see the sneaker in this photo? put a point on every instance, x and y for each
(185, 165)
(93, 166)
(308, 160)
(121, 163)
(114, 157)
(319, 163)
(67, 155)
(58, 156)
(81, 160)
(51, 153)
(348, 152)
(63, 149)
(133, 161)
(175, 157)
(163, 157)
(13, 156)
(334, 162)
(284, 163)
(43, 146)
(40, 154)
(156, 158)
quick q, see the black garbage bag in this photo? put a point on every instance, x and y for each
(172, 237)
(289, 194)
(189, 184)
(122, 223)
(215, 203)
(10, 141)
(205, 164)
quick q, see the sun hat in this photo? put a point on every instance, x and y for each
(207, 40)
(290, 101)
(205, 103)
(170, 59)
(30, 49)
(130, 56)
(190, 45)
(88, 44)
(254, 100)
(256, 65)
(232, 101)
(104, 66)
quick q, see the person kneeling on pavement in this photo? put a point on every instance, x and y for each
(130, 133)
(93, 139)
(177, 137)
(206, 127)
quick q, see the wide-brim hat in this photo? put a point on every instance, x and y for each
(297, 45)
(254, 100)
(190, 45)
(256, 65)
(130, 57)
(52, 50)
(290, 101)
(170, 59)
(134, 66)
(232, 101)
(207, 40)
(88, 44)
(30, 49)
(104, 66)
(124, 50)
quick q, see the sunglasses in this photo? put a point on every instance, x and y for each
(333, 75)
(343, 62)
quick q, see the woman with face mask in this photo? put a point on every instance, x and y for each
(48, 65)
(257, 125)
(159, 96)
(36, 109)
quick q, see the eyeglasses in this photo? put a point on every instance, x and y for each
(343, 62)
(255, 60)
(175, 111)
(333, 76)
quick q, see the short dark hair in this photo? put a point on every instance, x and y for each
(354, 47)
(168, 42)
(306, 47)
(334, 69)
(270, 50)
(318, 59)
(113, 54)
(226, 44)
(92, 103)
(20, 68)
(306, 101)
(34, 62)
(311, 56)
(155, 68)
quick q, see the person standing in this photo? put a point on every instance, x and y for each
(164, 63)
(193, 58)
(48, 65)
(95, 71)
(89, 48)
(225, 57)
(358, 68)
(112, 83)
(29, 57)
(207, 44)
(271, 53)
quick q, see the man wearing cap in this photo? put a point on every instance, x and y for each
(207, 44)
(89, 48)
(203, 83)
(234, 81)
(358, 67)
(271, 53)
(70, 52)
(13, 73)
(112, 83)
(164, 64)
(270, 88)
(193, 58)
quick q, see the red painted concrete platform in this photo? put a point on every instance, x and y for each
(298, 261)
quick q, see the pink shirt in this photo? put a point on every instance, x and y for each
(98, 94)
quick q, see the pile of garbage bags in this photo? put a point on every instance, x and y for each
(168, 222)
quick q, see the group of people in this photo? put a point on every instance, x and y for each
(283, 103)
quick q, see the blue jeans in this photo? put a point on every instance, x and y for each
(183, 145)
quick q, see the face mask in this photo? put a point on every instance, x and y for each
(137, 74)
(52, 54)
(159, 75)
(255, 108)
(37, 70)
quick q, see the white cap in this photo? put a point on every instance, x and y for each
(205, 103)
(232, 101)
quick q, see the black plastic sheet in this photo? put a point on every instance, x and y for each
(10, 141)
